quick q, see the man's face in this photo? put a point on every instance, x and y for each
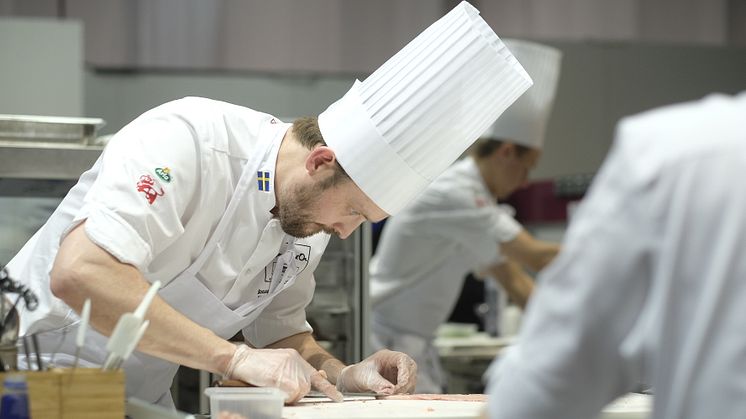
(511, 169)
(305, 210)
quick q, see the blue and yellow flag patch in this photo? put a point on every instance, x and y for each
(263, 180)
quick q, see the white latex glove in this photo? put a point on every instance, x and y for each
(384, 372)
(281, 368)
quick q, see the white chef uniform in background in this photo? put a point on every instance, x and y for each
(453, 228)
(423, 256)
(650, 282)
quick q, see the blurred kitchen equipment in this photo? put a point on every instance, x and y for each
(510, 320)
(48, 129)
(7, 285)
(85, 316)
(43, 157)
(128, 331)
(8, 335)
(9, 319)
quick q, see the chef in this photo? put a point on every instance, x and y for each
(649, 286)
(231, 210)
(456, 226)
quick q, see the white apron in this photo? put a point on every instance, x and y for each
(149, 378)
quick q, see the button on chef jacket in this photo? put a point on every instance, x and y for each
(454, 227)
(650, 284)
(153, 200)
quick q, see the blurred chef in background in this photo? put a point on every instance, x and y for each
(649, 286)
(456, 227)
(231, 209)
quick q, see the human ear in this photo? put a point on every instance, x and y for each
(320, 158)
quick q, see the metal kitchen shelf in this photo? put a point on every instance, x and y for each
(45, 161)
(49, 129)
(45, 155)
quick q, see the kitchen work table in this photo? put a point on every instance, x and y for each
(631, 406)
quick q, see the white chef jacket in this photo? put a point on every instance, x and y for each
(452, 228)
(649, 286)
(154, 198)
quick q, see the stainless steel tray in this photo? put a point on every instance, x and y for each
(48, 129)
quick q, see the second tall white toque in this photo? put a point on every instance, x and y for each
(415, 115)
(525, 122)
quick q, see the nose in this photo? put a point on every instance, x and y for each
(344, 229)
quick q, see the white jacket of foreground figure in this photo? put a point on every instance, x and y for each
(649, 286)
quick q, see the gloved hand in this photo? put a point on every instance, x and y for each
(384, 372)
(281, 368)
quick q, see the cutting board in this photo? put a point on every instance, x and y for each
(384, 409)
(630, 406)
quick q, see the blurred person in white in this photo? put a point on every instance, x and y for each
(231, 209)
(649, 286)
(456, 227)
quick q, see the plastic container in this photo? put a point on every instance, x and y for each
(251, 402)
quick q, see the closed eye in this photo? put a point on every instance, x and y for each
(356, 213)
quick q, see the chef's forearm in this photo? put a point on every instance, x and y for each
(310, 350)
(530, 252)
(517, 283)
(84, 270)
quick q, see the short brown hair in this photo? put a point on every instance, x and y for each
(484, 147)
(308, 133)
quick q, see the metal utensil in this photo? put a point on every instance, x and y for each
(128, 331)
(37, 351)
(27, 353)
(85, 316)
(9, 335)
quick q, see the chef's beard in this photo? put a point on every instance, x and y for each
(298, 206)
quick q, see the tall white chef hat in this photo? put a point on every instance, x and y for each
(525, 121)
(408, 121)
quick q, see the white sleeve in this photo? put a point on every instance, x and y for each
(480, 229)
(148, 177)
(577, 351)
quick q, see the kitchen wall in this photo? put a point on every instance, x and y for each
(41, 74)
(42, 66)
(600, 83)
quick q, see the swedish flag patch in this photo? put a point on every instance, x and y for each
(263, 180)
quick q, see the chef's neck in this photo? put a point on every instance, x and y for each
(290, 160)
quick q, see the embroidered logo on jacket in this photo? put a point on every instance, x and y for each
(164, 173)
(146, 185)
(263, 180)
